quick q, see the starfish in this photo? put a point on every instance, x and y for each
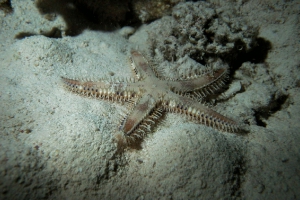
(150, 95)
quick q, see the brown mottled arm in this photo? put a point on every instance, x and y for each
(140, 65)
(141, 110)
(211, 81)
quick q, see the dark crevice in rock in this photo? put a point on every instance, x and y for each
(6, 6)
(79, 15)
(53, 33)
(197, 56)
(257, 54)
(208, 34)
(264, 113)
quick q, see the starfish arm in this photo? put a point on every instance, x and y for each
(132, 123)
(207, 83)
(200, 113)
(101, 89)
(141, 66)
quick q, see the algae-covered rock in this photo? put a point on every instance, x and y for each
(151, 10)
(202, 32)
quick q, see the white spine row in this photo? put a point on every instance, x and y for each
(102, 93)
(145, 126)
(201, 117)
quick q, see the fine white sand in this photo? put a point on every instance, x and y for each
(57, 145)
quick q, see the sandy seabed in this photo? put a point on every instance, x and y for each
(57, 145)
